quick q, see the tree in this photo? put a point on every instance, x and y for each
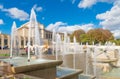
(96, 35)
(77, 34)
(84, 38)
(99, 35)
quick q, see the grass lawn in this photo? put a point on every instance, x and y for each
(4, 54)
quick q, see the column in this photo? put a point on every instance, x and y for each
(42, 33)
(2, 42)
(19, 41)
(24, 38)
(8, 38)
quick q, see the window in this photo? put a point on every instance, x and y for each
(51, 36)
(26, 42)
(5, 42)
(46, 36)
(31, 42)
(0, 41)
(22, 42)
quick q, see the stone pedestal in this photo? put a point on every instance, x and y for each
(106, 64)
(36, 67)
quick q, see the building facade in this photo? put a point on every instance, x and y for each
(23, 31)
(22, 35)
(4, 41)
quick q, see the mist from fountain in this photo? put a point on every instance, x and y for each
(14, 41)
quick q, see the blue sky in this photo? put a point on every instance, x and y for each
(66, 15)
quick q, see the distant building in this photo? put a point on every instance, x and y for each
(45, 36)
(4, 41)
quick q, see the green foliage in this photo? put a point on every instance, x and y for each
(84, 38)
(117, 42)
(77, 34)
(27, 78)
(4, 54)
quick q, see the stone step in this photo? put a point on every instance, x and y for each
(109, 77)
(83, 76)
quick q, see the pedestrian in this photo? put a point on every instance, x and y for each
(26, 50)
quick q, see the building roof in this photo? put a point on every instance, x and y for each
(27, 24)
(4, 35)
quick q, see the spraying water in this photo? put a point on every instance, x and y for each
(81, 47)
(95, 61)
(68, 43)
(53, 40)
(33, 30)
(87, 64)
(65, 43)
(58, 47)
(14, 40)
(74, 40)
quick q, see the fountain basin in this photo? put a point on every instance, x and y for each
(36, 67)
(20, 76)
(106, 65)
(84, 76)
(68, 73)
(104, 60)
(113, 74)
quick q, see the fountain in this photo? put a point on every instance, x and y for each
(14, 41)
(64, 48)
(26, 65)
(95, 61)
(53, 41)
(68, 44)
(65, 43)
(74, 40)
(87, 64)
(33, 30)
(64, 72)
(58, 47)
(43, 68)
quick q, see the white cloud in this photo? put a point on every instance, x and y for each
(1, 21)
(52, 26)
(72, 28)
(116, 33)
(15, 13)
(111, 19)
(63, 27)
(89, 3)
(35, 7)
(86, 3)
